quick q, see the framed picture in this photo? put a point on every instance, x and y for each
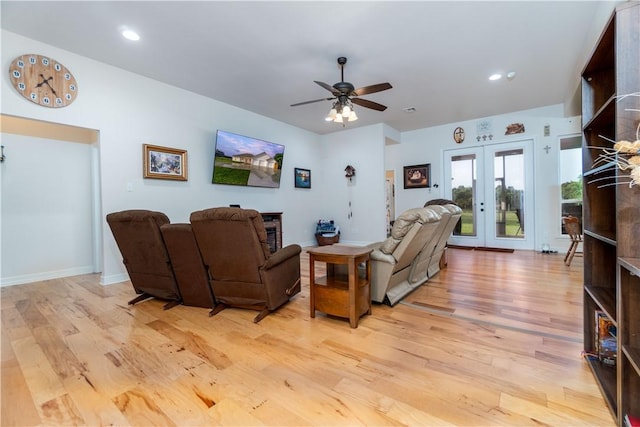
(302, 178)
(164, 163)
(417, 176)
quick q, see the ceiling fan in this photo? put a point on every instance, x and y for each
(346, 95)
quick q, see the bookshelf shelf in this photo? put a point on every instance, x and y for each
(633, 354)
(604, 299)
(606, 377)
(608, 237)
(611, 236)
(631, 264)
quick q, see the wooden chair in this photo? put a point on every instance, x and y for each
(520, 221)
(572, 227)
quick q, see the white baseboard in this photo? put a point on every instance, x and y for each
(46, 275)
(113, 278)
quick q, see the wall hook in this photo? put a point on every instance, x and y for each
(2, 156)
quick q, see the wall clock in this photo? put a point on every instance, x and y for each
(458, 135)
(43, 80)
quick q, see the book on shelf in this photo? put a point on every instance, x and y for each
(606, 339)
(631, 421)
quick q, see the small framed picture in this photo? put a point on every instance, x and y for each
(417, 176)
(164, 163)
(302, 178)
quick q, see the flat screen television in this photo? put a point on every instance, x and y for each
(246, 161)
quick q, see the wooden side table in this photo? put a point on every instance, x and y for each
(339, 294)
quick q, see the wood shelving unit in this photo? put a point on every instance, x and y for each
(611, 214)
(273, 227)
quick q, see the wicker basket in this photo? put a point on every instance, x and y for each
(324, 241)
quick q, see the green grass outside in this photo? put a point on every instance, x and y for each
(230, 176)
(512, 225)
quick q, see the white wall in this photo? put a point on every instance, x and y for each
(130, 110)
(427, 145)
(47, 208)
(357, 205)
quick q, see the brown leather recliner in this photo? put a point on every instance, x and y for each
(144, 254)
(242, 271)
(187, 264)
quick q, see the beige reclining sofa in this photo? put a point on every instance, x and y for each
(427, 263)
(411, 254)
(392, 259)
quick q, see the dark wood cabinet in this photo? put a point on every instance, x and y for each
(273, 227)
(611, 216)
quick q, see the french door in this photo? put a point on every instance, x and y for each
(493, 184)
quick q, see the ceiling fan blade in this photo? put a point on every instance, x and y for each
(368, 104)
(329, 88)
(310, 102)
(371, 89)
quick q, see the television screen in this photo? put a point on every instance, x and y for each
(241, 160)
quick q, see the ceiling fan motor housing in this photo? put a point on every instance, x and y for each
(345, 93)
(344, 87)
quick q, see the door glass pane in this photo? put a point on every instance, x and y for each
(571, 178)
(463, 189)
(509, 193)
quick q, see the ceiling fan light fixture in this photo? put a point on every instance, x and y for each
(353, 116)
(332, 114)
(338, 118)
(346, 111)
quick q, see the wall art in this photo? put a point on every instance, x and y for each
(302, 178)
(417, 176)
(164, 162)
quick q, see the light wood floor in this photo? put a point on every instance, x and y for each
(495, 339)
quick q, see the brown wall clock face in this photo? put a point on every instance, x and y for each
(43, 80)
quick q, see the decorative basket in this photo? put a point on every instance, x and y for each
(324, 241)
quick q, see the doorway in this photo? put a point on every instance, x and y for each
(49, 201)
(493, 185)
(390, 193)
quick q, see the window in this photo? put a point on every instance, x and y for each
(571, 178)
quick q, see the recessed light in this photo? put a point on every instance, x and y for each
(511, 75)
(496, 76)
(130, 35)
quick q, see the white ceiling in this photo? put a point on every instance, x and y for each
(263, 56)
